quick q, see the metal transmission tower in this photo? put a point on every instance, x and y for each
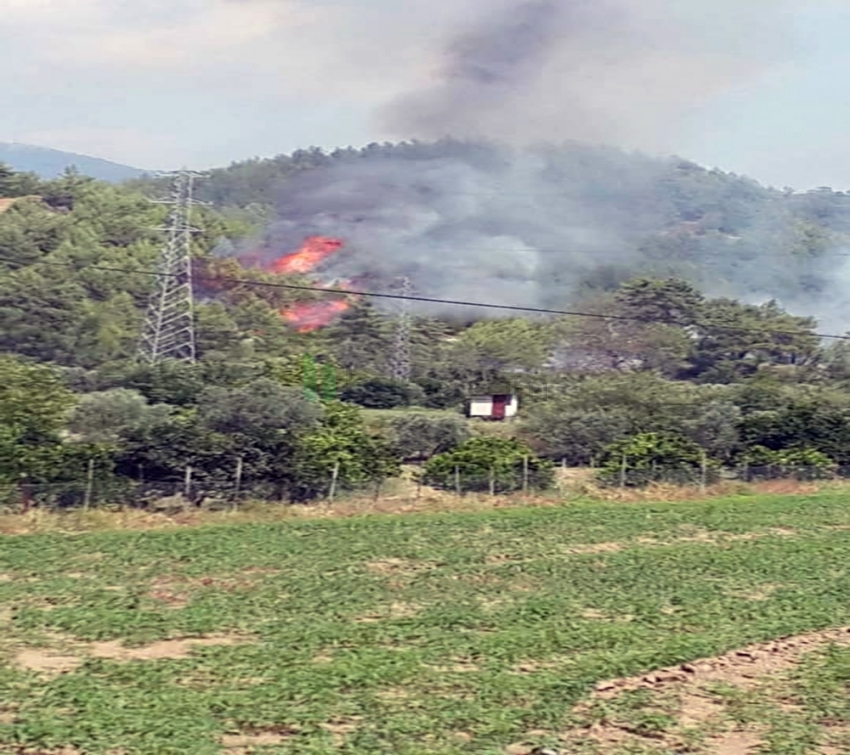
(169, 329)
(400, 364)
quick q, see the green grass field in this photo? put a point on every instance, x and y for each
(442, 633)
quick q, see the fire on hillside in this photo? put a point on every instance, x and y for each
(309, 316)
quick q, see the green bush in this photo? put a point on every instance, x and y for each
(383, 393)
(490, 464)
(418, 435)
(799, 463)
(654, 457)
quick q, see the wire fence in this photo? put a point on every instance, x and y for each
(703, 477)
(190, 492)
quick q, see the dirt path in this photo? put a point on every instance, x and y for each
(697, 707)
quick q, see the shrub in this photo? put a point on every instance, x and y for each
(382, 393)
(494, 464)
(654, 457)
(421, 436)
(800, 463)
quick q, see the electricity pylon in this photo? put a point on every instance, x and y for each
(169, 329)
(400, 363)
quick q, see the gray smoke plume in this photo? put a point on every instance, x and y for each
(623, 72)
(475, 220)
(463, 221)
(530, 227)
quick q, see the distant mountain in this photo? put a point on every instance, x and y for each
(49, 163)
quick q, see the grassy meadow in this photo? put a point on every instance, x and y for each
(441, 633)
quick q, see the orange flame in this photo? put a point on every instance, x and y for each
(314, 315)
(309, 316)
(314, 251)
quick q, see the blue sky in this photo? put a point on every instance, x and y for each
(160, 83)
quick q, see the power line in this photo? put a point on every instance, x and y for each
(449, 302)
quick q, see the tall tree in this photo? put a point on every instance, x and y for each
(361, 339)
(34, 406)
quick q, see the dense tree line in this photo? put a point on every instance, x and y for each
(665, 376)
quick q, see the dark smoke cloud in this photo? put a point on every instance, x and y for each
(616, 71)
(483, 68)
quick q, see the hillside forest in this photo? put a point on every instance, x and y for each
(661, 369)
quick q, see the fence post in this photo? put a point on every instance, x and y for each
(26, 498)
(492, 481)
(238, 482)
(457, 481)
(703, 477)
(334, 478)
(187, 484)
(525, 475)
(89, 486)
(623, 466)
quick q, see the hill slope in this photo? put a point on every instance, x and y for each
(50, 163)
(536, 227)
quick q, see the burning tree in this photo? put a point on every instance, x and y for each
(309, 316)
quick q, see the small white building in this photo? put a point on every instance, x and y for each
(496, 407)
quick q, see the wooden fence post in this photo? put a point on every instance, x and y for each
(334, 478)
(525, 475)
(89, 486)
(238, 482)
(187, 485)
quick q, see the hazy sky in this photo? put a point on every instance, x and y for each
(753, 86)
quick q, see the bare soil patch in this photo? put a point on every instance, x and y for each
(339, 730)
(176, 592)
(165, 649)
(691, 535)
(393, 695)
(51, 662)
(7, 716)
(396, 610)
(244, 743)
(46, 662)
(735, 743)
